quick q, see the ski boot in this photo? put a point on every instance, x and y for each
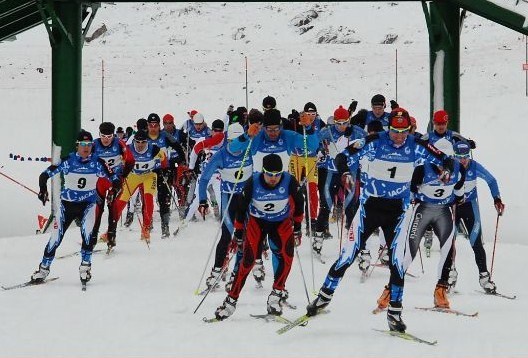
(486, 283)
(258, 271)
(85, 271)
(452, 279)
(321, 301)
(383, 254)
(317, 243)
(440, 296)
(227, 309)
(275, 302)
(364, 260)
(165, 231)
(41, 274)
(213, 278)
(230, 282)
(129, 219)
(110, 240)
(383, 300)
(394, 317)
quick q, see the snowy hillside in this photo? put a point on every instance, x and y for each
(173, 57)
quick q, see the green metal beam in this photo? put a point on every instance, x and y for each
(495, 13)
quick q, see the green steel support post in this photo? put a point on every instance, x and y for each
(443, 22)
(66, 82)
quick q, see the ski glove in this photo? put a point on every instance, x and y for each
(203, 208)
(352, 107)
(114, 191)
(43, 196)
(306, 119)
(499, 206)
(297, 233)
(238, 237)
(253, 130)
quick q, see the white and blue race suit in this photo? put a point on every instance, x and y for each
(469, 212)
(78, 200)
(384, 201)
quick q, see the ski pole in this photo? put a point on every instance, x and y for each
(239, 175)
(302, 274)
(19, 183)
(494, 245)
(210, 288)
(139, 219)
(421, 261)
(305, 144)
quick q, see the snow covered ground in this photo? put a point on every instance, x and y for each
(180, 56)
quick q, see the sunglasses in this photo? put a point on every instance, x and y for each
(462, 156)
(272, 130)
(272, 174)
(106, 136)
(153, 125)
(85, 143)
(311, 113)
(341, 123)
(399, 130)
(167, 123)
(140, 141)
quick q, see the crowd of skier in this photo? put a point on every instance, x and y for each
(263, 175)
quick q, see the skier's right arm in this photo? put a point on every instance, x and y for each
(243, 204)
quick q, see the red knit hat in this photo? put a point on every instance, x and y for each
(168, 118)
(341, 114)
(440, 117)
(399, 119)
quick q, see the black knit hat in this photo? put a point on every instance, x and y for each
(141, 135)
(272, 163)
(269, 102)
(218, 124)
(107, 128)
(255, 116)
(84, 136)
(272, 117)
(120, 130)
(141, 124)
(153, 118)
(310, 107)
(378, 100)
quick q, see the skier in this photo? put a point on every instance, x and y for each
(433, 205)
(335, 139)
(266, 203)
(384, 199)
(469, 212)
(273, 139)
(165, 176)
(78, 200)
(444, 139)
(378, 105)
(149, 157)
(234, 170)
(115, 154)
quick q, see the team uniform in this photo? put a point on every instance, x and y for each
(433, 206)
(384, 200)
(233, 178)
(334, 142)
(121, 161)
(144, 178)
(268, 211)
(469, 214)
(78, 201)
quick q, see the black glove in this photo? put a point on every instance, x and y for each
(114, 191)
(499, 206)
(203, 208)
(352, 107)
(43, 196)
(394, 104)
(297, 233)
(471, 143)
(238, 237)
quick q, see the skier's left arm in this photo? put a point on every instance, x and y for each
(493, 186)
